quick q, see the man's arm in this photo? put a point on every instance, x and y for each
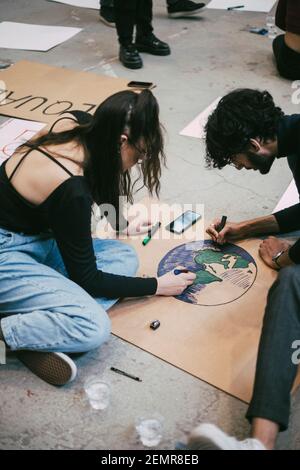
(244, 229)
(259, 225)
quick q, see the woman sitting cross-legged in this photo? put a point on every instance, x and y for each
(56, 280)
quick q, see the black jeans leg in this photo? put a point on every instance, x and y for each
(125, 17)
(275, 370)
(144, 18)
(287, 60)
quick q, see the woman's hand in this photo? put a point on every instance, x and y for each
(270, 247)
(138, 225)
(172, 284)
(231, 231)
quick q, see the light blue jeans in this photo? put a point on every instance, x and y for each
(40, 308)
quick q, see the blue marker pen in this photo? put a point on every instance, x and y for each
(180, 271)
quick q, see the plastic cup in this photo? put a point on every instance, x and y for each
(98, 393)
(150, 429)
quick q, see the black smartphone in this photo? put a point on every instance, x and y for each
(183, 222)
(134, 84)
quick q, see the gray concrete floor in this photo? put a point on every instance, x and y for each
(210, 56)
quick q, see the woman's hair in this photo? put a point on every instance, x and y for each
(241, 115)
(137, 115)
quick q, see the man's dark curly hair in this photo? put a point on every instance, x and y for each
(241, 115)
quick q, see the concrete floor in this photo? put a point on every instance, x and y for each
(210, 56)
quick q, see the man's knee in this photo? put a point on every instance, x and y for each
(289, 276)
(286, 286)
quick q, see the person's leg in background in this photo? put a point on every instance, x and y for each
(275, 372)
(180, 8)
(286, 47)
(125, 16)
(175, 8)
(146, 41)
(106, 12)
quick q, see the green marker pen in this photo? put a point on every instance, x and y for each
(151, 233)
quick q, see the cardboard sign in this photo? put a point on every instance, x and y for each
(39, 92)
(216, 342)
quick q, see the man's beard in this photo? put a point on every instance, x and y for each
(263, 164)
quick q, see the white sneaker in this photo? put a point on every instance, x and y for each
(210, 437)
(52, 367)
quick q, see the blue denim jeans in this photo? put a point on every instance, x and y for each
(40, 307)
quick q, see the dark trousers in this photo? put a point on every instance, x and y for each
(275, 370)
(287, 60)
(107, 3)
(129, 13)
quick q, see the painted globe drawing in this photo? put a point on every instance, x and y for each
(223, 273)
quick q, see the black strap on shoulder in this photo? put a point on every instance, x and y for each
(19, 163)
(47, 155)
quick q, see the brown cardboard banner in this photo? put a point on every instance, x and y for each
(216, 343)
(39, 92)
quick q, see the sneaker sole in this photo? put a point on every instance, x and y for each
(207, 436)
(53, 368)
(149, 51)
(182, 14)
(132, 66)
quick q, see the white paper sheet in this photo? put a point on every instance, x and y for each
(15, 132)
(33, 37)
(289, 198)
(196, 127)
(249, 5)
(94, 4)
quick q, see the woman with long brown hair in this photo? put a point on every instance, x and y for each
(56, 280)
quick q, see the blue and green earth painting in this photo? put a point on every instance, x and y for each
(224, 273)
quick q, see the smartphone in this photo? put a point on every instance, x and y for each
(135, 84)
(183, 222)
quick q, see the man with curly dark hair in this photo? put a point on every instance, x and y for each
(249, 131)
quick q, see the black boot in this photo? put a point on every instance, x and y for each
(130, 57)
(152, 45)
(185, 8)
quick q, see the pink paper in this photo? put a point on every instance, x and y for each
(196, 127)
(15, 132)
(289, 198)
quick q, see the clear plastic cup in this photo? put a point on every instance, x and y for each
(150, 429)
(270, 24)
(98, 393)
